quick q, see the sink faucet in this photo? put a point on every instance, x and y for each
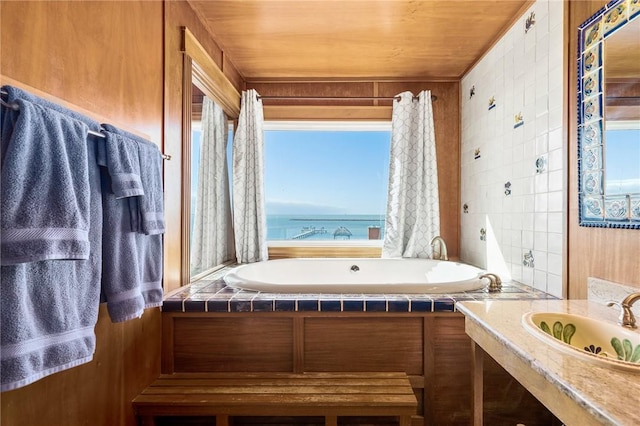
(495, 283)
(626, 319)
(442, 252)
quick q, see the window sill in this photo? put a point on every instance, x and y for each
(326, 243)
(290, 249)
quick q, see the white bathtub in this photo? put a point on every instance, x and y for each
(356, 276)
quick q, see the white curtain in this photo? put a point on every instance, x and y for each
(249, 218)
(413, 206)
(212, 243)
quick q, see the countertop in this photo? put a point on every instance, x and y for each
(578, 392)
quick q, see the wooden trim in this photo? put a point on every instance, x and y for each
(187, 93)
(327, 251)
(477, 384)
(250, 81)
(208, 75)
(566, 89)
(327, 112)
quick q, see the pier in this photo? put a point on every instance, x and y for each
(307, 232)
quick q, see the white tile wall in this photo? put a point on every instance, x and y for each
(523, 72)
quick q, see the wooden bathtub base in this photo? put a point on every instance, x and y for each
(431, 348)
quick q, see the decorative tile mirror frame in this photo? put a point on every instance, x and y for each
(599, 207)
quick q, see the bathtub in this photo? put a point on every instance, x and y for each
(370, 276)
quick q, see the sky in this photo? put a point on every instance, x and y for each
(320, 172)
(622, 166)
(326, 172)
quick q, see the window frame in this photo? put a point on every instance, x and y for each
(325, 248)
(199, 70)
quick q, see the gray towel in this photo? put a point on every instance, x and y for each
(132, 266)
(121, 280)
(14, 93)
(151, 206)
(44, 186)
(119, 155)
(147, 211)
(49, 308)
(123, 164)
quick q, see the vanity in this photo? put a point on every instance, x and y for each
(577, 390)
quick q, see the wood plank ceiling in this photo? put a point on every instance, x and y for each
(356, 39)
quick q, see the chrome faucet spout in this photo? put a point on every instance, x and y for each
(626, 318)
(441, 253)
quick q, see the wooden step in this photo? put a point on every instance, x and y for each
(280, 394)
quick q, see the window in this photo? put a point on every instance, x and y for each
(326, 181)
(210, 233)
(622, 158)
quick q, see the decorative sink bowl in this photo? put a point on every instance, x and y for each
(592, 340)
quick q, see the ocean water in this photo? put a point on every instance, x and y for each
(322, 227)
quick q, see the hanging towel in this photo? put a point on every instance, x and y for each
(49, 308)
(132, 266)
(45, 185)
(147, 211)
(14, 93)
(121, 279)
(123, 164)
(119, 154)
(151, 214)
(151, 206)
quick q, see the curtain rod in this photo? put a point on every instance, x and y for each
(340, 98)
(16, 107)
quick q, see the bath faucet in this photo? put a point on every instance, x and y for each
(626, 319)
(442, 252)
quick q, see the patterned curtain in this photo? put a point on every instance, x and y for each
(249, 218)
(413, 206)
(211, 242)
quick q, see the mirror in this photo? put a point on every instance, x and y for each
(609, 117)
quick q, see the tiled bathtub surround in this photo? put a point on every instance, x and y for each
(523, 71)
(212, 295)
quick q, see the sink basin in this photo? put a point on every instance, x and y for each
(592, 340)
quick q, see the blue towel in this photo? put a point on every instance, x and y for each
(49, 308)
(45, 185)
(151, 206)
(132, 266)
(121, 280)
(123, 164)
(119, 155)
(14, 93)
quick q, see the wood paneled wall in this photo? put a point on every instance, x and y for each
(610, 254)
(104, 57)
(446, 111)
